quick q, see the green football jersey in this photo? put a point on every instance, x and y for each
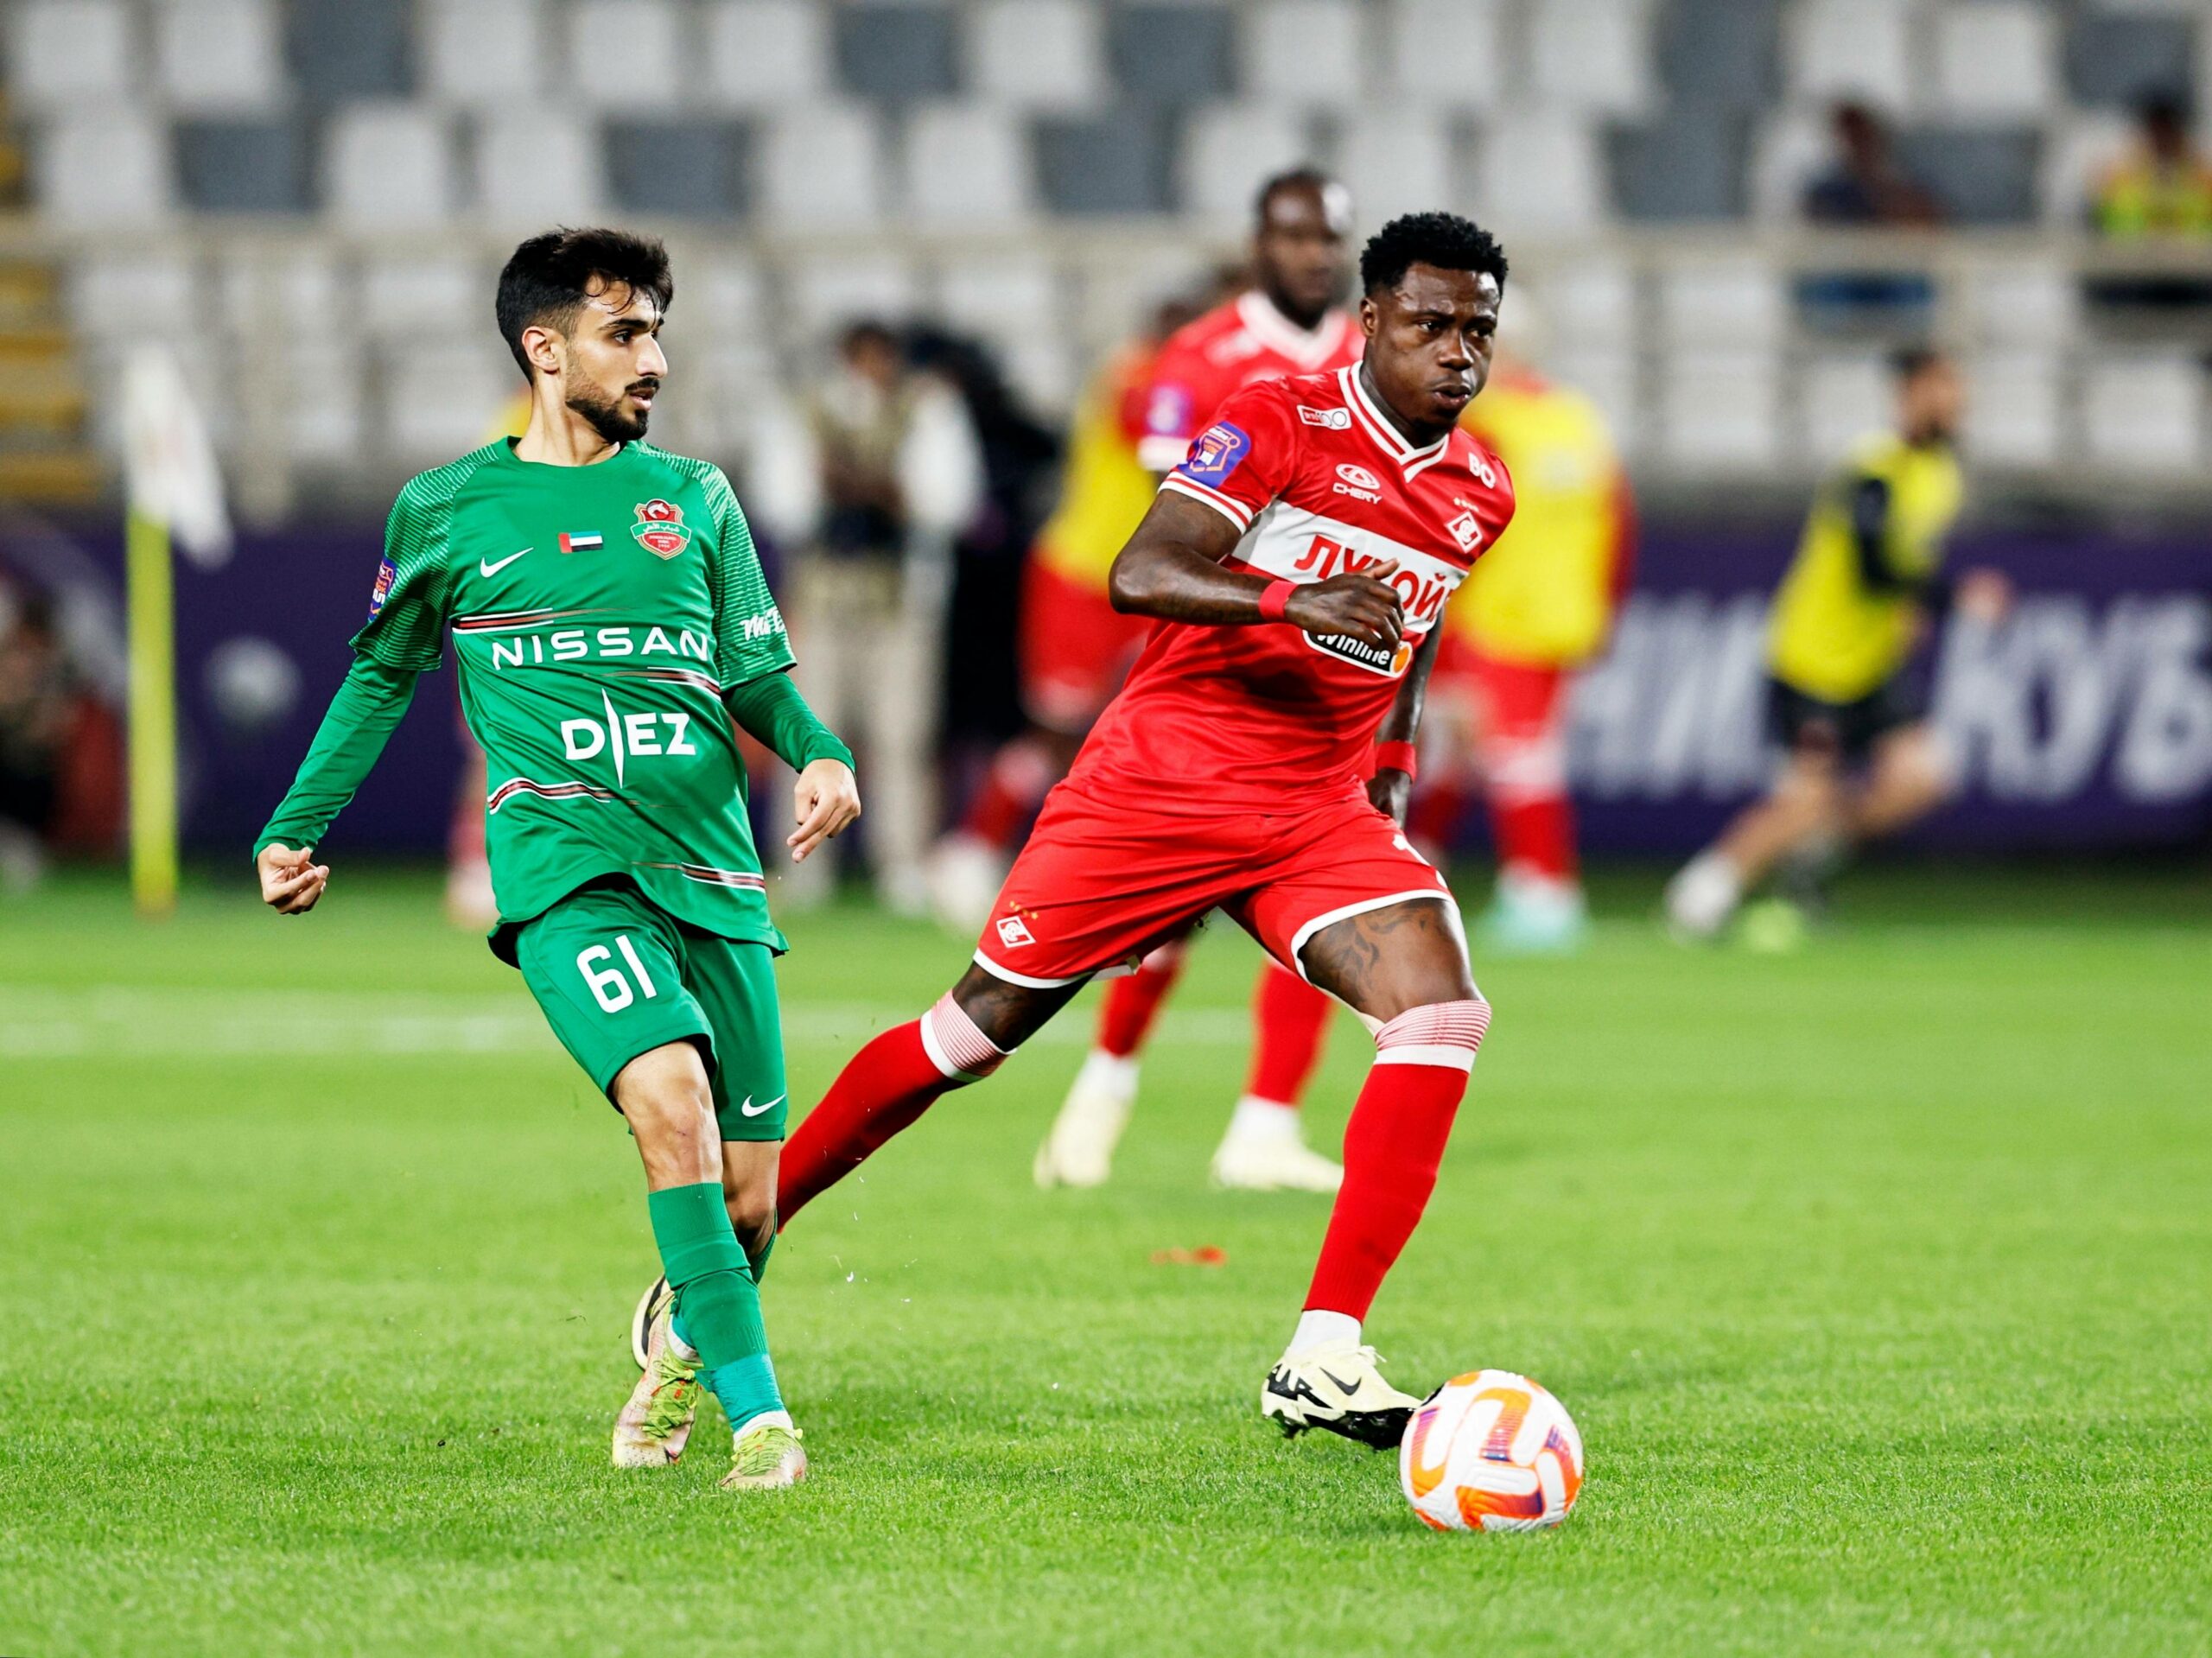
(598, 613)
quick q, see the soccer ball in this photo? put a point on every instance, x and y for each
(1490, 1450)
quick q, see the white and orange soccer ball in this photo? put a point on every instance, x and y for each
(1490, 1450)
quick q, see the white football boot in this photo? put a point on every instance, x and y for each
(1079, 1150)
(1703, 896)
(1339, 1389)
(656, 1420)
(1263, 1152)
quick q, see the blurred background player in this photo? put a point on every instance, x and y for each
(1861, 758)
(1292, 321)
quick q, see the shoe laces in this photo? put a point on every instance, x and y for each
(760, 1450)
(675, 1403)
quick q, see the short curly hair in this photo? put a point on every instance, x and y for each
(1445, 240)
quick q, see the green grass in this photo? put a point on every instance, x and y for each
(1878, 1277)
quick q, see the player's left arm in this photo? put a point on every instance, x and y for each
(1391, 788)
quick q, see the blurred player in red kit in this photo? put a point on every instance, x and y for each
(1296, 564)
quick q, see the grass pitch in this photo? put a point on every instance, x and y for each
(1878, 1277)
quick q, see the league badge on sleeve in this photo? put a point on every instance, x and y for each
(659, 529)
(387, 573)
(1216, 451)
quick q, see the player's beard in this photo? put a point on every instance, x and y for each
(607, 415)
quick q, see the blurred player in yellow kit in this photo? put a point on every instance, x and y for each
(1861, 758)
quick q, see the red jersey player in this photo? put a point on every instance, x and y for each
(1296, 565)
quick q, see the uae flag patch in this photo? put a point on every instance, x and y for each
(582, 540)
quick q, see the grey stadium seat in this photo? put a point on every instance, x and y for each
(1982, 176)
(1118, 164)
(1687, 165)
(2122, 58)
(351, 48)
(1173, 54)
(243, 167)
(896, 51)
(1722, 54)
(686, 169)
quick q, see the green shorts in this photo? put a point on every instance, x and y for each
(619, 976)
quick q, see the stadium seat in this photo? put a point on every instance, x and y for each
(762, 54)
(1861, 50)
(243, 167)
(1728, 302)
(1719, 410)
(826, 291)
(120, 297)
(441, 397)
(2144, 411)
(1116, 164)
(1789, 148)
(2019, 302)
(725, 296)
(1540, 170)
(1038, 54)
(1720, 53)
(1172, 51)
(1687, 164)
(63, 52)
(220, 57)
(2124, 57)
(484, 53)
(895, 51)
(325, 419)
(1840, 399)
(1981, 176)
(352, 48)
(1398, 161)
(685, 168)
(1606, 374)
(1591, 300)
(388, 164)
(1591, 54)
(300, 291)
(397, 291)
(539, 166)
(1010, 295)
(2074, 156)
(966, 164)
(1229, 150)
(1306, 53)
(1448, 54)
(646, 39)
(104, 166)
(818, 166)
(2015, 407)
(1995, 61)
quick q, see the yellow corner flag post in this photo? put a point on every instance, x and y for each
(175, 494)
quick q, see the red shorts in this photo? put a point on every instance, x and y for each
(1516, 699)
(1100, 883)
(1076, 649)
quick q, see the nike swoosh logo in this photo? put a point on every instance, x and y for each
(1343, 1386)
(749, 1110)
(490, 568)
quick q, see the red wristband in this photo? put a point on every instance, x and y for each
(1274, 598)
(1396, 757)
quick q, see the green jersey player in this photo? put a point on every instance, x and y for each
(610, 618)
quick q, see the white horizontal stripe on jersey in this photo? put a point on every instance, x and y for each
(1227, 506)
(1285, 541)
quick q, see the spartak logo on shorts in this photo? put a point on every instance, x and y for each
(659, 528)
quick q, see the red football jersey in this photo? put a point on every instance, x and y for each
(1206, 360)
(1319, 483)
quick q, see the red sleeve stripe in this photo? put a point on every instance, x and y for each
(1227, 506)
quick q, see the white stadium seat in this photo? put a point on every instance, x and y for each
(2014, 407)
(104, 166)
(1790, 148)
(2075, 155)
(818, 165)
(220, 57)
(398, 291)
(388, 164)
(644, 39)
(1590, 300)
(1016, 294)
(2020, 301)
(1304, 52)
(538, 167)
(724, 296)
(480, 54)
(1447, 54)
(1995, 61)
(1591, 54)
(63, 52)
(764, 53)
(325, 410)
(1229, 151)
(1842, 398)
(826, 291)
(120, 297)
(1730, 302)
(966, 165)
(441, 395)
(1539, 170)
(1719, 410)
(1606, 374)
(1861, 49)
(2144, 411)
(302, 291)
(1398, 160)
(1038, 54)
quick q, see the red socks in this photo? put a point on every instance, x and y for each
(882, 1090)
(1536, 836)
(1133, 1002)
(1393, 1146)
(1289, 1020)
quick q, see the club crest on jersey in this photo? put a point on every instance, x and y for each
(1216, 451)
(1013, 932)
(659, 529)
(1467, 531)
(387, 573)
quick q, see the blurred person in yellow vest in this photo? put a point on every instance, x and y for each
(2162, 187)
(1536, 606)
(1861, 758)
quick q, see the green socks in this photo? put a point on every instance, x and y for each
(716, 1298)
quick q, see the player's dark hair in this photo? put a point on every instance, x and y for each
(1910, 362)
(1443, 240)
(1298, 178)
(549, 277)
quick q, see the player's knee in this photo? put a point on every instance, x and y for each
(1448, 1033)
(958, 1043)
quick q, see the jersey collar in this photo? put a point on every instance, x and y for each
(1372, 421)
(1309, 347)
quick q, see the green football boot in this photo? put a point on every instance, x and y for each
(764, 1457)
